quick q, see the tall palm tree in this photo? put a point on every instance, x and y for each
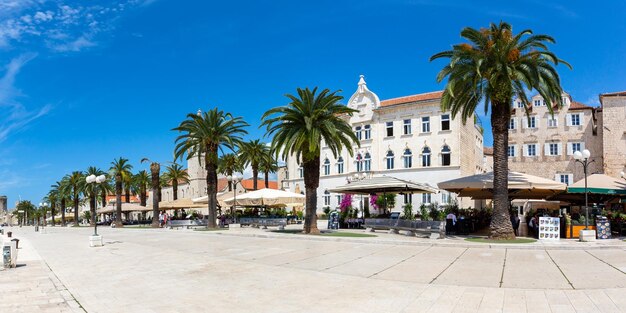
(268, 165)
(63, 194)
(90, 190)
(52, 197)
(175, 173)
(120, 170)
(141, 181)
(227, 165)
(106, 188)
(127, 183)
(204, 135)
(300, 127)
(155, 169)
(493, 68)
(75, 182)
(251, 154)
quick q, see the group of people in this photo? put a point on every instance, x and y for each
(163, 218)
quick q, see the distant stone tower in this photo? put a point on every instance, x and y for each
(3, 204)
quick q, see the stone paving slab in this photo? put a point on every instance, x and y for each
(187, 271)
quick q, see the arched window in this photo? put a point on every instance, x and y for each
(326, 166)
(326, 198)
(300, 171)
(445, 156)
(426, 157)
(368, 162)
(389, 158)
(408, 158)
(359, 162)
(340, 165)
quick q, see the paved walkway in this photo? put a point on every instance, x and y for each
(145, 270)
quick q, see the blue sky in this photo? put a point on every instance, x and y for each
(84, 82)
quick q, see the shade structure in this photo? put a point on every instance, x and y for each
(521, 186)
(267, 197)
(221, 196)
(599, 184)
(383, 184)
(180, 204)
(126, 207)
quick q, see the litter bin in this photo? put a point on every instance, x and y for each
(36, 228)
(1, 231)
(17, 243)
(9, 234)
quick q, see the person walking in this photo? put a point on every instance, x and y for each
(515, 221)
(161, 219)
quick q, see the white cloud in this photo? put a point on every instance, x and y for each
(40, 17)
(76, 45)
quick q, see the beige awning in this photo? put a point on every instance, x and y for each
(180, 204)
(521, 186)
(267, 197)
(126, 207)
(383, 184)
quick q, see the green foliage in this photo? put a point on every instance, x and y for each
(326, 210)
(386, 201)
(300, 214)
(408, 211)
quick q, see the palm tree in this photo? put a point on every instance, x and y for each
(75, 181)
(141, 181)
(493, 68)
(268, 165)
(300, 127)
(251, 154)
(227, 165)
(155, 169)
(91, 192)
(120, 170)
(52, 197)
(175, 173)
(204, 135)
(63, 195)
(127, 182)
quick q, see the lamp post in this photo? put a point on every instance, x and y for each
(42, 205)
(583, 158)
(234, 180)
(95, 240)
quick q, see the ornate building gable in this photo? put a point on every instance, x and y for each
(365, 101)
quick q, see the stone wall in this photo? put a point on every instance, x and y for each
(614, 133)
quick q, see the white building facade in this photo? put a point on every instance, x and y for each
(408, 138)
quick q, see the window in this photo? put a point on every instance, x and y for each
(445, 122)
(407, 127)
(552, 121)
(575, 146)
(564, 178)
(445, 156)
(338, 200)
(359, 162)
(531, 122)
(511, 151)
(326, 167)
(538, 103)
(531, 150)
(389, 129)
(426, 198)
(340, 165)
(520, 104)
(357, 132)
(368, 162)
(326, 198)
(445, 197)
(408, 158)
(367, 132)
(552, 149)
(389, 158)
(426, 157)
(512, 123)
(408, 198)
(574, 120)
(301, 171)
(426, 124)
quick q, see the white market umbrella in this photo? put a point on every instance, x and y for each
(267, 197)
(383, 184)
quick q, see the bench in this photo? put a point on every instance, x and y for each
(433, 229)
(186, 223)
(263, 222)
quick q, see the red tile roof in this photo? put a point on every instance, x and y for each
(612, 94)
(414, 98)
(488, 150)
(579, 106)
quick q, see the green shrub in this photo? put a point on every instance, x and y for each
(408, 212)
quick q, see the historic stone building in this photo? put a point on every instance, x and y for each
(408, 138)
(613, 106)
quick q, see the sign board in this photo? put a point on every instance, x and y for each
(603, 227)
(549, 228)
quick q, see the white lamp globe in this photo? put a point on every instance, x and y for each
(622, 174)
(586, 154)
(238, 177)
(229, 178)
(578, 155)
(91, 178)
(101, 179)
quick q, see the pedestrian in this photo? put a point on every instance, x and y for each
(165, 219)
(534, 226)
(161, 219)
(515, 221)
(450, 223)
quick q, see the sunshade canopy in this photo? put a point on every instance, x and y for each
(521, 186)
(599, 184)
(180, 204)
(267, 197)
(221, 196)
(126, 207)
(383, 184)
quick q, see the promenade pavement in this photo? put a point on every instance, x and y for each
(243, 270)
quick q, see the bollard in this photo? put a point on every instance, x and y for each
(9, 234)
(17, 243)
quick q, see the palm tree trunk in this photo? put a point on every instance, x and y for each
(127, 194)
(53, 207)
(211, 182)
(92, 209)
(267, 179)
(156, 185)
(44, 222)
(63, 212)
(76, 209)
(255, 177)
(311, 182)
(142, 196)
(118, 201)
(103, 194)
(175, 188)
(501, 227)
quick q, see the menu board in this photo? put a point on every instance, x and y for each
(549, 228)
(603, 226)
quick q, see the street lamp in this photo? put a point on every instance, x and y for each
(622, 174)
(42, 205)
(583, 158)
(234, 180)
(95, 240)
